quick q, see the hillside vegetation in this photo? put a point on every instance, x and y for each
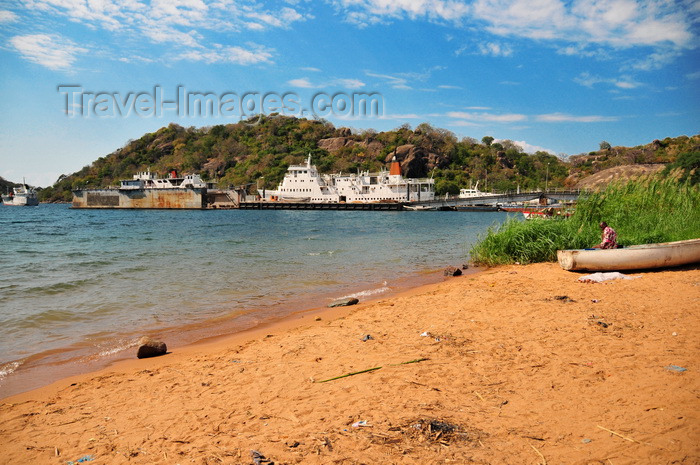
(5, 185)
(259, 154)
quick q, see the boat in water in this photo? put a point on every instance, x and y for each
(634, 257)
(303, 183)
(475, 192)
(22, 196)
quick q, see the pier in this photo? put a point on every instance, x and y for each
(379, 206)
(237, 199)
(494, 200)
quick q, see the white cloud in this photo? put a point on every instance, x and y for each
(368, 12)
(618, 23)
(695, 75)
(464, 118)
(171, 35)
(346, 83)
(445, 86)
(232, 54)
(311, 69)
(301, 82)
(178, 12)
(589, 80)
(528, 148)
(487, 117)
(281, 19)
(7, 16)
(566, 118)
(396, 82)
(51, 51)
(182, 23)
(495, 49)
(350, 83)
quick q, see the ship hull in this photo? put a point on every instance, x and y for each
(175, 198)
(20, 201)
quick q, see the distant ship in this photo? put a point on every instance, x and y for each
(303, 183)
(22, 196)
(471, 193)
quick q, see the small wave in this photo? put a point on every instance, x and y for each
(121, 346)
(75, 254)
(325, 252)
(8, 368)
(58, 287)
(27, 252)
(39, 320)
(368, 292)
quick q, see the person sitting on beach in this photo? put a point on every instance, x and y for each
(609, 237)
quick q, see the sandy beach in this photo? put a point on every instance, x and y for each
(512, 365)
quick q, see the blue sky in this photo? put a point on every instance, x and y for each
(551, 75)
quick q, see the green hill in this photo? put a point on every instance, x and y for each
(6, 186)
(259, 152)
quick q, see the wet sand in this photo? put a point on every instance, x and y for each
(517, 364)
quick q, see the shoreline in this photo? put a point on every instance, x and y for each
(30, 376)
(278, 325)
(514, 364)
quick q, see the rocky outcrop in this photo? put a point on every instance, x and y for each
(601, 179)
(151, 348)
(344, 302)
(452, 271)
(334, 144)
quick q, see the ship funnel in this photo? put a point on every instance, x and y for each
(394, 168)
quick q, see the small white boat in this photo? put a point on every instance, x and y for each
(419, 208)
(475, 192)
(634, 257)
(22, 196)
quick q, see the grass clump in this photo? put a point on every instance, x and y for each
(645, 211)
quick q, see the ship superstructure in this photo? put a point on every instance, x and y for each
(303, 183)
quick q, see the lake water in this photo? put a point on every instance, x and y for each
(80, 286)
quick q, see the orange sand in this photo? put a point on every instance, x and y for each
(513, 376)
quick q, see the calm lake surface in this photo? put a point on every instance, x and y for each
(82, 285)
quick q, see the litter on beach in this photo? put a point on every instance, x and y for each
(599, 277)
(360, 424)
(676, 368)
(83, 459)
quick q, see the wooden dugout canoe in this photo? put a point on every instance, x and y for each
(634, 257)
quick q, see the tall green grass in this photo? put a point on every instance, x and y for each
(642, 212)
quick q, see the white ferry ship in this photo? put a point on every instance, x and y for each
(303, 183)
(22, 196)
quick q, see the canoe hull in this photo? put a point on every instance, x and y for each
(635, 257)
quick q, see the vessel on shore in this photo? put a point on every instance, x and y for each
(633, 257)
(22, 196)
(303, 183)
(146, 190)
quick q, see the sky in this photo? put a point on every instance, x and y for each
(81, 78)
